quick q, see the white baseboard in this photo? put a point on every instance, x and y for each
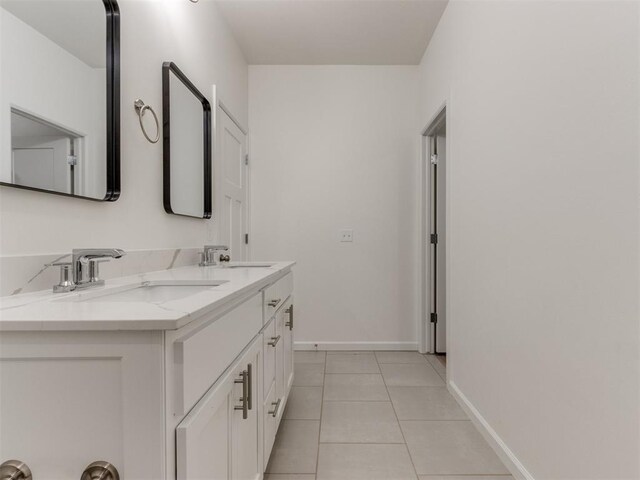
(506, 455)
(407, 346)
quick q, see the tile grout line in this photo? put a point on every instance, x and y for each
(436, 370)
(324, 375)
(415, 470)
(379, 401)
(380, 372)
(444, 379)
(362, 443)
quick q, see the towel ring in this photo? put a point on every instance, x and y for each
(140, 107)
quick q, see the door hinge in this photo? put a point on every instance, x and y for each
(246, 239)
(72, 160)
(434, 318)
(246, 159)
(434, 238)
(434, 159)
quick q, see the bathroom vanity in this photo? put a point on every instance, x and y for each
(182, 374)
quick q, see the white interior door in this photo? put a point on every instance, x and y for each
(42, 163)
(441, 274)
(232, 171)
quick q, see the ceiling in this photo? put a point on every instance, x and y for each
(78, 26)
(333, 32)
(25, 126)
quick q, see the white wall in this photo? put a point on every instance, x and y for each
(543, 224)
(334, 147)
(196, 38)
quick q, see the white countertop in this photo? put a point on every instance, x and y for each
(48, 311)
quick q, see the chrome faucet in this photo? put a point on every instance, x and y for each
(208, 255)
(82, 271)
(85, 263)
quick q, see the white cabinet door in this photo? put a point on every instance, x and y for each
(219, 438)
(246, 429)
(203, 437)
(287, 337)
(68, 399)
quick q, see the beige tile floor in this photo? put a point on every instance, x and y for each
(377, 416)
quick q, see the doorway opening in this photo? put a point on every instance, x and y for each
(434, 318)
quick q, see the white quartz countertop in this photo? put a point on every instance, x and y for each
(62, 311)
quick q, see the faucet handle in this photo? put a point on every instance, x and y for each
(57, 264)
(94, 269)
(66, 283)
(216, 247)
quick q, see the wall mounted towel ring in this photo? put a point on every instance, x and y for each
(140, 107)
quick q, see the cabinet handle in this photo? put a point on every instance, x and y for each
(250, 386)
(15, 470)
(290, 322)
(244, 377)
(274, 341)
(100, 471)
(273, 303)
(274, 412)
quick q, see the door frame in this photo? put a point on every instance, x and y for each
(218, 103)
(425, 339)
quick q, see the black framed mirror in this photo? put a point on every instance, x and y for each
(60, 97)
(186, 134)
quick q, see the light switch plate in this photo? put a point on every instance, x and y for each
(346, 235)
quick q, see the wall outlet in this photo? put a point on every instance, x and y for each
(346, 235)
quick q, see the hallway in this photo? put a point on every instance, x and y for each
(377, 416)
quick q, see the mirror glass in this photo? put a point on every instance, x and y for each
(187, 146)
(58, 106)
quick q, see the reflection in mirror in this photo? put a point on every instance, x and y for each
(59, 96)
(43, 155)
(186, 145)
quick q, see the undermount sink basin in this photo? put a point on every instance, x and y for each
(151, 291)
(248, 265)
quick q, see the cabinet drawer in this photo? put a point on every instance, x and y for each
(276, 294)
(269, 337)
(202, 355)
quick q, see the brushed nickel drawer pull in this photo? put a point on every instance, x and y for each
(274, 412)
(273, 303)
(290, 322)
(15, 470)
(250, 386)
(244, 380)
(100, 471)
(274, 341)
